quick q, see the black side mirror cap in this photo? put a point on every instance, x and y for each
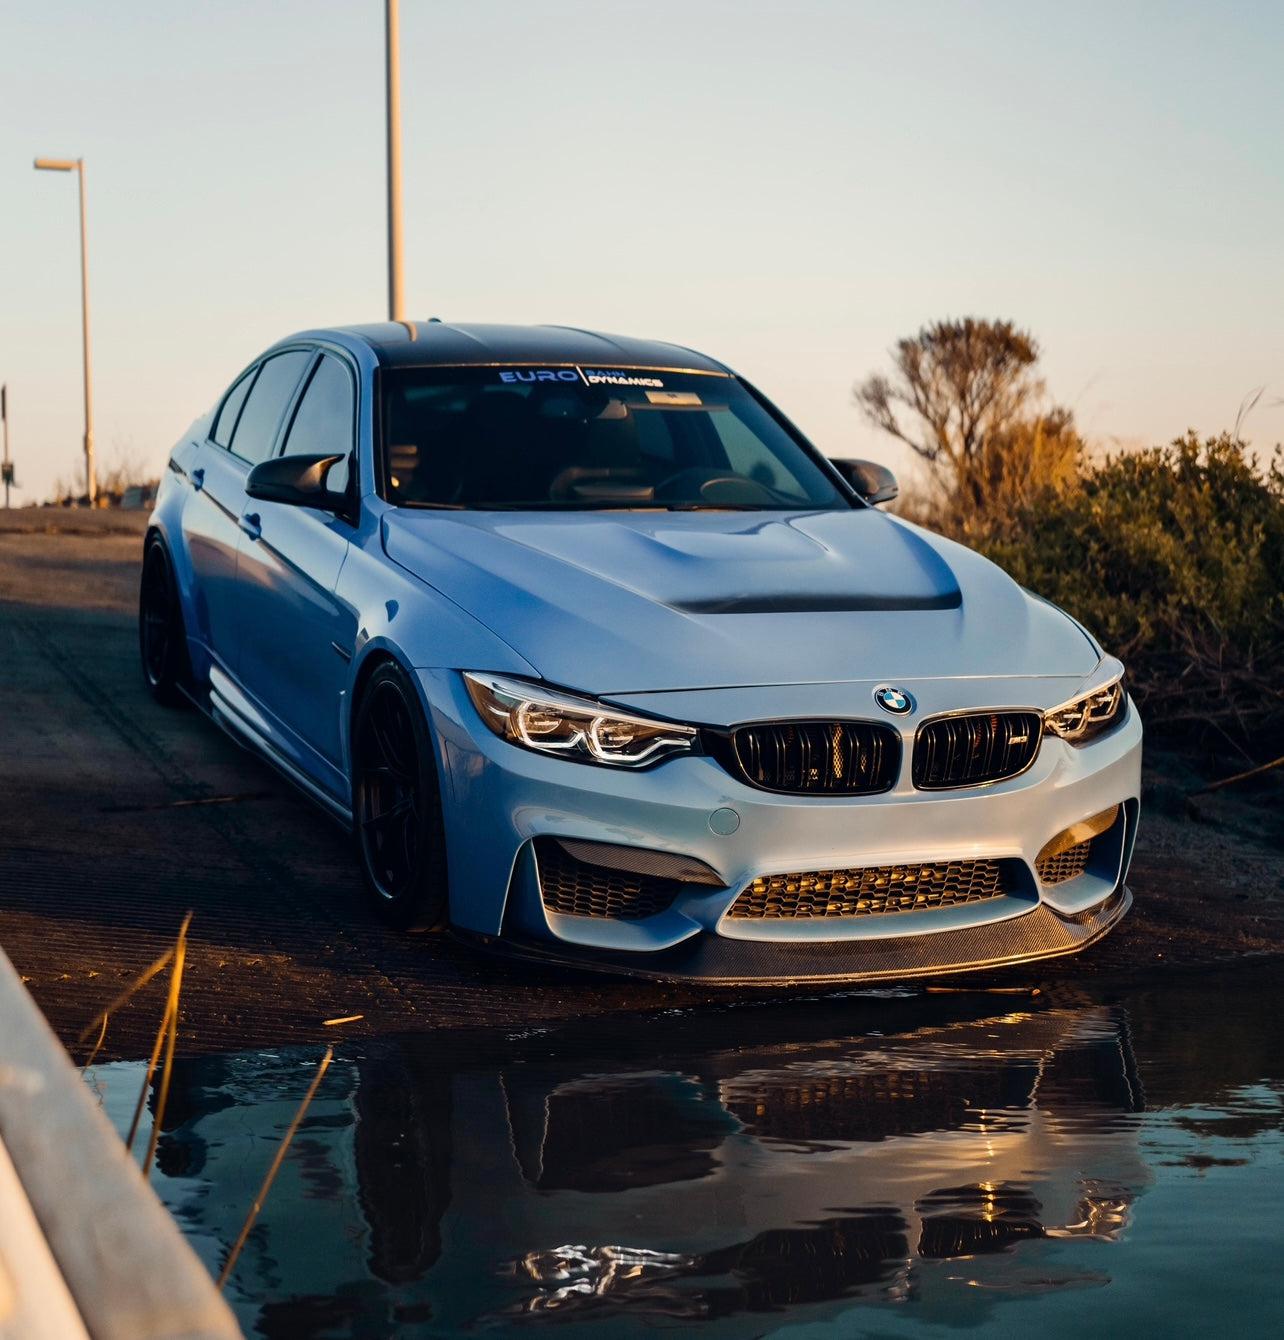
(875, 483)
(296, 480)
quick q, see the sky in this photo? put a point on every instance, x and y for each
(788, 186)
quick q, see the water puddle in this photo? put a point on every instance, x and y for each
(877, 1165)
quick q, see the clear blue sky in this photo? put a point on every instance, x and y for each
(790, 186)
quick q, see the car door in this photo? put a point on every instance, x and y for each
(219, 477)
(211, 532)
(297, 636)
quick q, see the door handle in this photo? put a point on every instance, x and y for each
(251, 525)
(198, 479)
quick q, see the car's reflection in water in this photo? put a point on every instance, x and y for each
(824, 1170)
(740, 1162)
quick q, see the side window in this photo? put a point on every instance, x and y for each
(228, 415)
(323, 421)
(267, 401)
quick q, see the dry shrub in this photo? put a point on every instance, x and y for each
(1014, 469)
(1174, 558)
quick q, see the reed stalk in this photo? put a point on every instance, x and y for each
(127, 994)
(171, 1039)
(270, 1176)
(160, 1032)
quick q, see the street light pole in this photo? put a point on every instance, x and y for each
(77, 165)
(6, 470)
(396, 290)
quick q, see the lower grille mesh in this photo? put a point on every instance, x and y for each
(870, 890)
(577, 889)
(1068, 864)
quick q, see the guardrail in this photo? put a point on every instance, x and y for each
(86, 1248)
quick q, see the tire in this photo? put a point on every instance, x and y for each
(162, 639)
(396, 805)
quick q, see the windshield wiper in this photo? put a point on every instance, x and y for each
(575, 505)
(602, 505)
(727, 507)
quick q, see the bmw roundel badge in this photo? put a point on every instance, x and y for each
(893, 700)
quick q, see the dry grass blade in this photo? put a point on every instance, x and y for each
(147, 1080)
(1241, 776)
(102, 1035)
(270, 1177)
(128, 993)
(171, 1039)
(156, 1046)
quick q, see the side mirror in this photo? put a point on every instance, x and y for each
(875, 483)
(296, 480)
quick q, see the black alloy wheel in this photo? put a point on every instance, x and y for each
(397, 804)
(162, 642)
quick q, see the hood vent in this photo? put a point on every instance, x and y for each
(823, 602)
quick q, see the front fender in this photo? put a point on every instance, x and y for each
(166, 521)
(402, 619)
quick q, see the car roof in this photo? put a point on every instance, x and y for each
(434, 342)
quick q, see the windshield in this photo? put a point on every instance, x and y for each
(566, 438)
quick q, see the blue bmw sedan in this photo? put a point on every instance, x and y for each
(601, 661)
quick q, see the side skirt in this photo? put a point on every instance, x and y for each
(223, 715)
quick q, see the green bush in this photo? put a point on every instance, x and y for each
(1174, 558)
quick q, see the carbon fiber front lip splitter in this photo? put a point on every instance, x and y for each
(720, 961)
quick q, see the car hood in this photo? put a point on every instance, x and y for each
(647, 601)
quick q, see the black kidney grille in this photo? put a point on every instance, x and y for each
(834, 758)
(979, 747)
(577, 889)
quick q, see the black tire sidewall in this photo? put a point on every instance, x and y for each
(425, 905)
(166, 688)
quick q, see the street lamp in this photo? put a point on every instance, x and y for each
(392, 35)
(6, 467)
(77, 165)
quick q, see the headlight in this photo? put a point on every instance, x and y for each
(575, 728)
(1084, 718)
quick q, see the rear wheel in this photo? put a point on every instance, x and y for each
(397, 804)
(162, 642)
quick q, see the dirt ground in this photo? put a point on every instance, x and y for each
(116, 816)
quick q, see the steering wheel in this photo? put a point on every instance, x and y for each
(714, 487)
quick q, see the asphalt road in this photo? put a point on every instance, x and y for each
(117, 816)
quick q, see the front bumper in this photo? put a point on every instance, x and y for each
(498, 799)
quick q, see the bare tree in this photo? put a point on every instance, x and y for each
(967, 398)
(958, 381)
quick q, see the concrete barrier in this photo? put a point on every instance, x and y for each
(86, 1248)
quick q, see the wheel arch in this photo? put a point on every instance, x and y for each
(156, 533)
(183, 574)
(375, 654)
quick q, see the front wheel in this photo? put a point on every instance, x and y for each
(162, 642)
(396, 806)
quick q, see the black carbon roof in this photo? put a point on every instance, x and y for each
(422, 343)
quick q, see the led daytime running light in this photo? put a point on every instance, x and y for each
(1084, 718)
(562, 724)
